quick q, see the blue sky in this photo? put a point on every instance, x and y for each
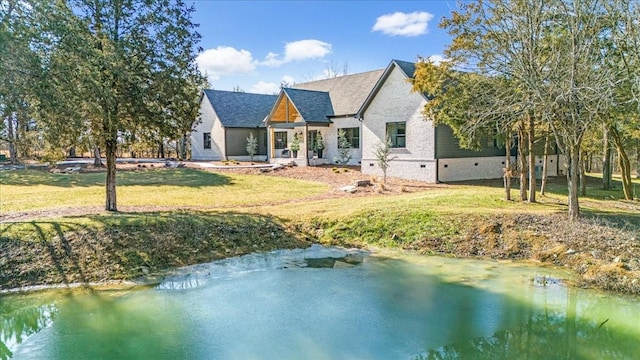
(255, 45)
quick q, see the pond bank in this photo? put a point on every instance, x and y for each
(122, 247)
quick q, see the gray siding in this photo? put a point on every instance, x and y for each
(236, 140)
(448, 146)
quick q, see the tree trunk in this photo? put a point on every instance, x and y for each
(111, 147)
(507, 167)
(532, 160)
(522, 162)
(638, 159)
(583, 177)
(97, 160)
(545, 160)
(183, 148)
(13, 153)
(624, 163)
(161, 150)
(573, 174)
(606, 160)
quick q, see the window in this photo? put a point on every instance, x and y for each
(311, 139)
(353, 135)
(281, 139)
(206, 140)
(396, 131)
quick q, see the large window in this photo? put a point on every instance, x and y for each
(206, 140)
(352, 135)
(396, 131)
(281, 139)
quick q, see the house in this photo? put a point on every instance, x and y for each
(225, 122)
(420, 150)
(314, 112)
(367, 108)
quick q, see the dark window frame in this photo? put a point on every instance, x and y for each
(353, 135)
(280, 140)
(206, 140)
(397, 133)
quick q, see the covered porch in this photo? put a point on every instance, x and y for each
(297, 143)
(291, 136)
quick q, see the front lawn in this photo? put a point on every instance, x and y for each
(29, 190)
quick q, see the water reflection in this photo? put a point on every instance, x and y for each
(19, 319)
(278, 306)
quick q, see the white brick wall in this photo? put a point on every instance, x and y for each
(463, 169)
(210, 123)
(396, 102)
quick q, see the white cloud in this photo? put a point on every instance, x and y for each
(263, 87)
(225, 60)
(272, 60)
(306, 49)
(403, 24)
(298, 51)
(288, 80)
(437, 59)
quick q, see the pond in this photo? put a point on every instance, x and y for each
(328, 303)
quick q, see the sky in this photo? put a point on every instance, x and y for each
(254, 46)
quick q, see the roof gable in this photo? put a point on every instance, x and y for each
(407, 68)
(238, 109)
(314, 106)
(347, 93)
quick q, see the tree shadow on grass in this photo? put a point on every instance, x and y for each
(147, 177)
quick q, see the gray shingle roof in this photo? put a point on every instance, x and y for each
(347, 92)
(238, 109)
(314, 106)
(409, 68)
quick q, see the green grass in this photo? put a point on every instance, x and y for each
(28, 190)
(284, 198)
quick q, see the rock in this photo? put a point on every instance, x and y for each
(71, 170)
(265, 170)
(571, 252)
(342, 265)
(349, 188)
(327, 262)
(362, 183)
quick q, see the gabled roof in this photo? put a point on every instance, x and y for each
(240, 110)
(407, 68)
(347, 93)
(314, 106)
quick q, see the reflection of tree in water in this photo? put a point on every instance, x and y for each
(546, 335)
(18, 321)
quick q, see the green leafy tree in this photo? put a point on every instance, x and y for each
(295, 144)
(18, 68)
(116, 67)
